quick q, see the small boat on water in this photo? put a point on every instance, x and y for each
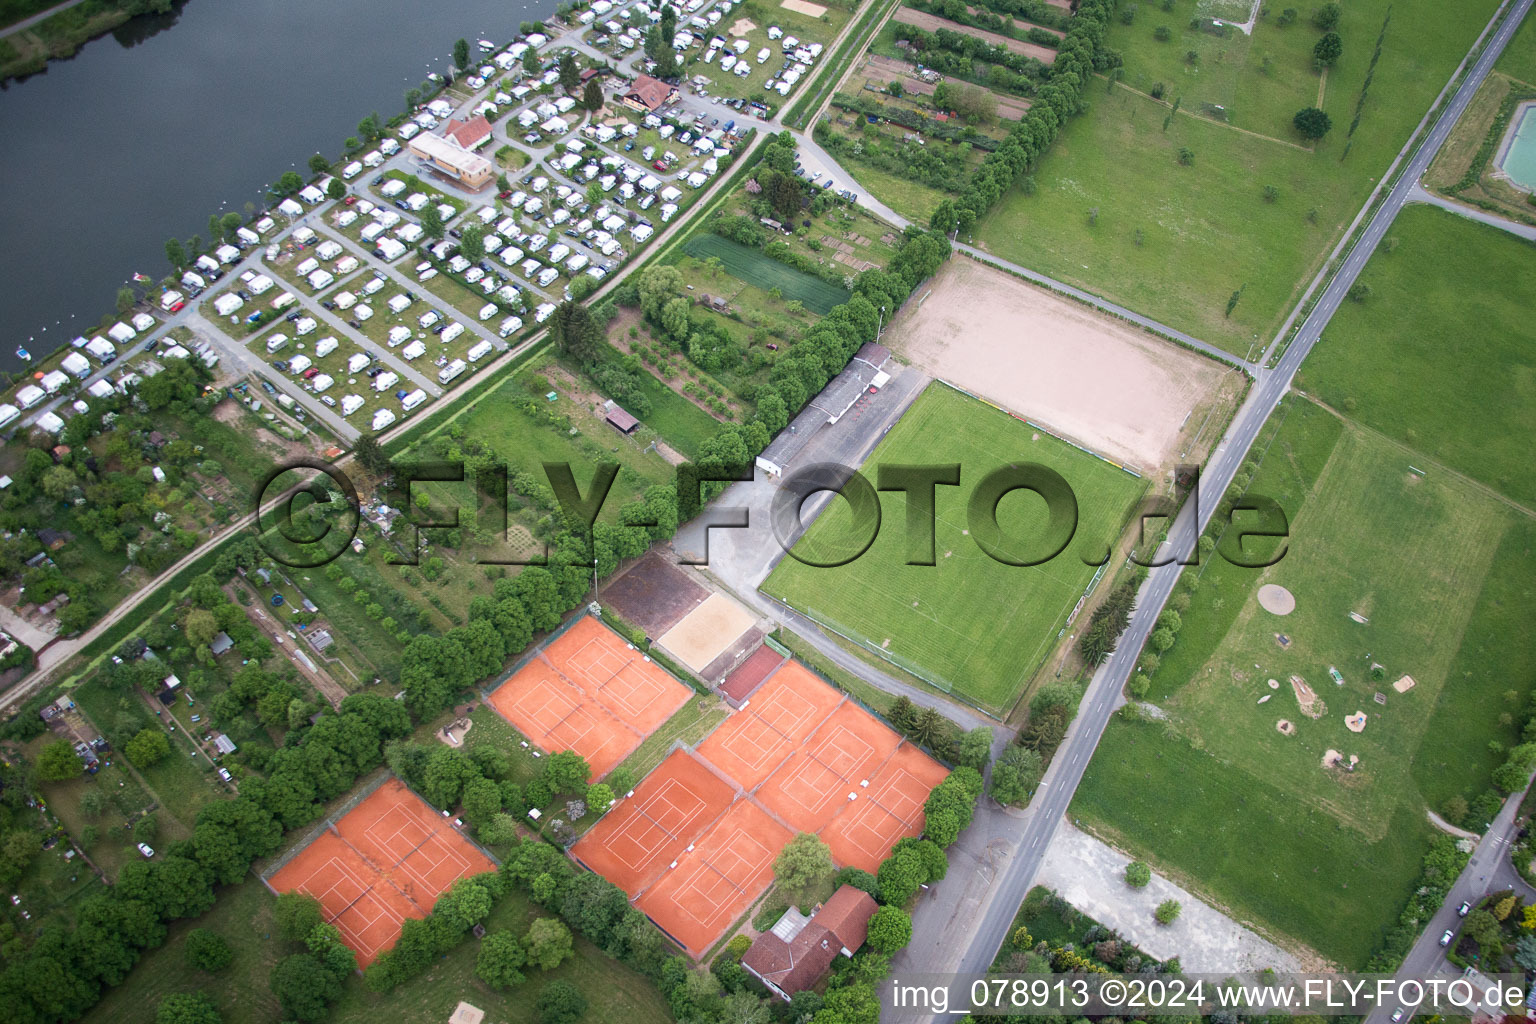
(22, 353)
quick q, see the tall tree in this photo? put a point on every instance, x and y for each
(576, 332)
(570, 74)
(592, 95)
(175, 253)
(804, 868)
(461, 54)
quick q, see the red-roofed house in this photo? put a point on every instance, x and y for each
(471, 134)
(793, 955)
(649, 95)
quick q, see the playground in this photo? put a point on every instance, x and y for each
(694, 845)
(387, 859)
(590, 691)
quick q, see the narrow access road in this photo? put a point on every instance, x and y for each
(1420, 194)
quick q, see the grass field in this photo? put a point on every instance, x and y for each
(613, 992)
(1174, 241)
(243, 917)
(754, 267)
(1519, 58)
(1441, 571)
(1439, 356)
(1251, 847)
(969, 621)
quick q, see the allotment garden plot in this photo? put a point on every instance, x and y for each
(765, 272)
(969, 623)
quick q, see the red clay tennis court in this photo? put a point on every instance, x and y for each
(755, 741)
(695, 845)
(387, 859)
(592, 692)
(636, 841)
(844, 753)
(890, 809)
(717, 881)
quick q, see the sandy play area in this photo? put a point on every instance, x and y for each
(1112, 388)
(801, 7)
(1276, 599)
(1310, 704)
(742, 27)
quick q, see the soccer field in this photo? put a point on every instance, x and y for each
(969, 623)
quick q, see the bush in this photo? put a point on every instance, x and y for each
(1167, 912)
(560, 1003)
(1137, 874)
(1162, 33)
(207, 951)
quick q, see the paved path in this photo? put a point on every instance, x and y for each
(961, 931)
(1091, 875)
(820, 163)
(1420, 194)
(26, 23)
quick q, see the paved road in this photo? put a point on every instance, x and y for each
(1488, 870)
(1422, 195)
(818, 162)
(961, 930)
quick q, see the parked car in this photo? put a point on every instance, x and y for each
(328, 400)
(145, 850)
(1464, 909)
(224, 774)
(1446, 937)
(1398, 1015)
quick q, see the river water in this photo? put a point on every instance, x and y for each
(144, 133)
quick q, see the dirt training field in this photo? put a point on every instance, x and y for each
(928, 23)
(1109, 386)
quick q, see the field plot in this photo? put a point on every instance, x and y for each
(1117, 212)
(589, 691)
(765, 272)
(385, 860)
(1319, 734)
(969, 623)
(1388, 361)
(929, 23)
(1111, 387)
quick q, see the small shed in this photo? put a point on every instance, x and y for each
(622, 421)
(221, 644)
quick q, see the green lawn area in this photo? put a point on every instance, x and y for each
(753, 266)
(613, 992)
(1115, 212)
(1519, 57)
(681, 424)
(692, 722)
(911, 199)
(1438, 356)
(1371, 538)
(1234, 836)
(1441, 572)
(969, 622)
(243, 918)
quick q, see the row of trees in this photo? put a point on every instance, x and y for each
(1081, 54)
(66, 969)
